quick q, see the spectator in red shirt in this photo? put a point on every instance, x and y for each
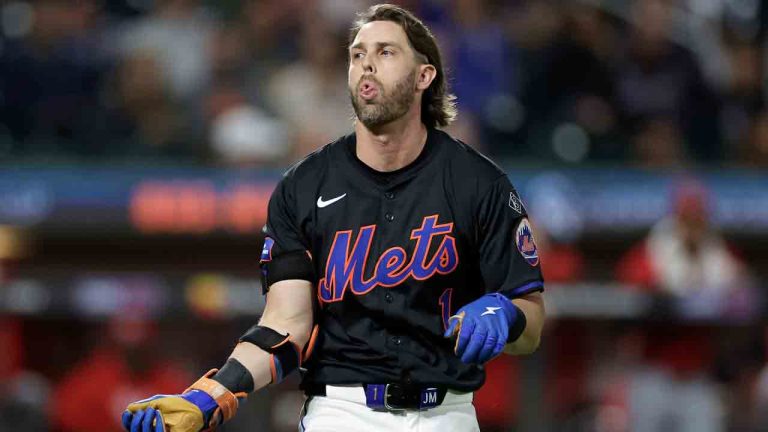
(685, 260)
(121, 370)
(684, 255)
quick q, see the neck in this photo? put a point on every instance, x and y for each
(393, 145)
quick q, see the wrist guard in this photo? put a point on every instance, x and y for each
(285, 355)
(226, 401)
(234, 376)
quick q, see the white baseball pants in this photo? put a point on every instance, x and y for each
(343, 409)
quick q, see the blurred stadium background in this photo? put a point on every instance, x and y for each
(140, 141)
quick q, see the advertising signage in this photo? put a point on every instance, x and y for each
(199, 201)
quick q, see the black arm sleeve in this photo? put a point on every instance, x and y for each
(509, 259)
(285, 253)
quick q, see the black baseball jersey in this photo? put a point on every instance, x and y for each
(393, 255)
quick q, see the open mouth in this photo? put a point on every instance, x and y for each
(368, 90)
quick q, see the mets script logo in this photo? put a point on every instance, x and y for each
(346, 266)
(525, 243)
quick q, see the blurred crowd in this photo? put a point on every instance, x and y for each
(695, 361)
(655, 83)
(691, 364)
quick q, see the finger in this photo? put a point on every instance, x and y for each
(503, 334)
(127, 417)
(487, 351)
(465, 333)
(159, 422)
(495, 339)
(138, 416)
(146, 424)
(474, 346)
(453, 323)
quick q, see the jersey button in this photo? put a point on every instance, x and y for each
(389, 195)
(388, 297)
(389, 217)
(396, 340)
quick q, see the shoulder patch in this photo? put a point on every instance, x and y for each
(526, 244)
(266, 251)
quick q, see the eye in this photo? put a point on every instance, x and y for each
(357, 55)
(386, 52)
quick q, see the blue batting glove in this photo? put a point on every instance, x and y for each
(192, 411)
(482, 328)
(187, 412)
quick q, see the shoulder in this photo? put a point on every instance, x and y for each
(317, 163)
(463, 158)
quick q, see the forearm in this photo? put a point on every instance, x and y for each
(257, 361)
(532, 306)
(288, 312)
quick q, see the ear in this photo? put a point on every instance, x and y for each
(427, 74)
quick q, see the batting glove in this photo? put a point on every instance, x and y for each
(483, 328)
(202, 406)
(188, 412)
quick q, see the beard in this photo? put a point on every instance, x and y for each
(387, 106)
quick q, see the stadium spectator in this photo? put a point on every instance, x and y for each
(754, 152)
(50, 75)
(684, 256)
(145, 121)
(743, 98)
(255, 42)
(486, 65)
(178, 34)
(243, 134)
(578, 82)
(123, 367)
(658, 143)
(311, 94)
(531, 69)
(23, 393)
(660, 79)
(687, 262)
(565, 263)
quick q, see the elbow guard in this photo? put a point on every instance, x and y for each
(285, 355)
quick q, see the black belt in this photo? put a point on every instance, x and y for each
(393, 397)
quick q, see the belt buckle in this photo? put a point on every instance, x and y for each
(386, 400)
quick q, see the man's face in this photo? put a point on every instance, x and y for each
(382, 73)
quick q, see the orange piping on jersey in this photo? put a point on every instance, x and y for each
(311, 343)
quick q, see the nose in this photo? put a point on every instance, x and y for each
(368, 66)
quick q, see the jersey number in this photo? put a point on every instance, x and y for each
(445, 306)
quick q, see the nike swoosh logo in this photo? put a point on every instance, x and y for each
(490, 311)
(321, 203)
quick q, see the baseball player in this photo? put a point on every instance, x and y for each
(397, 262)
